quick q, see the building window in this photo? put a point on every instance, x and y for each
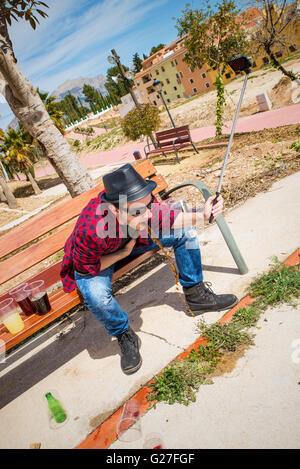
(203, 75)
(178, 96)
(181, 74)
(154, 102)
(293, 48)
(195, 90)
(278, 54)
(191, 80)
(138, 83)
(172, 63)
(175, 88)
(157, 72)
(176, 62)
(162, 69)
(265, 60)
(167, 80)
(227, 75)
(165, 92)
(168, 100)
(207, 85)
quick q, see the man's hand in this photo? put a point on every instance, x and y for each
(214, 209)
(128, 248)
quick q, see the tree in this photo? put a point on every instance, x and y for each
(137, 63)
(27, 105)
(19, 155)
(94, 98)
(278, 18)
(115, 84)
(142, 120)
(213, 37)
(8, 195)
(155, 49)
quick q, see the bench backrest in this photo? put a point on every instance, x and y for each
(61, 220)
(165, 137)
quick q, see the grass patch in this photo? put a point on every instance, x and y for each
(180, 380)
(107, 141)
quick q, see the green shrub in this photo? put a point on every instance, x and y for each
(141, 121)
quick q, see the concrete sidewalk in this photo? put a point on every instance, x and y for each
(255, 406)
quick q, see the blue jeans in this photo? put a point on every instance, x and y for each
(96, 290)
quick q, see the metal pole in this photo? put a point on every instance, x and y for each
(232, 132)
(230, 141)
(165, 104)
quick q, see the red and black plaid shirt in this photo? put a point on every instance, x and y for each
(92, 239)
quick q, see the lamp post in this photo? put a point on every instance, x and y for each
(115, 59)
(157, 85)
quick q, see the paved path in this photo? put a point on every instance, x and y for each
(264, 120)
(257, 405)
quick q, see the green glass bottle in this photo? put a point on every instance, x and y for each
(56, 409)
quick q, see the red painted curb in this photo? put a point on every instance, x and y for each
(106, 434)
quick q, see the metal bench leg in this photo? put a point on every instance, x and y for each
(221, 222)
(195, 148)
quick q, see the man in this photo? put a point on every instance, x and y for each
(115, 225)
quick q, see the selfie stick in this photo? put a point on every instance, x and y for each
(230, 141)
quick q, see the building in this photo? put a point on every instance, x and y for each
(177, 80)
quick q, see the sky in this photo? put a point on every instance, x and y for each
(77, 37)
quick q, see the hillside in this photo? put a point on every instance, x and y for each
(75, 86)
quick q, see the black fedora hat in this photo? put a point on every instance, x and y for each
(125, 181)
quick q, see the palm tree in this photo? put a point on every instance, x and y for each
(19, 155)
(53, 111)
(8, 195)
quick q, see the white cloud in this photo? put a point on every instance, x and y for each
(76, 39)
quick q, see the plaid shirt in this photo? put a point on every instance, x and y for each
(97, 233)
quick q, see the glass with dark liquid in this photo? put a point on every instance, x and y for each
(38, 297)
(21, 296)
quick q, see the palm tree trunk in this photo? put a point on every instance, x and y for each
(27, 106)
(2, 196)
(11, 200)
(33, 182)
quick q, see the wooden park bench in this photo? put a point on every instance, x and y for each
(171, 140)
(19, 257)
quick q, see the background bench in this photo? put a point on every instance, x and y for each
(171, 141)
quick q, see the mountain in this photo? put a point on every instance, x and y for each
(75, 86)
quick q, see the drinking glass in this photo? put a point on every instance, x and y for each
(21, 296)
(38, 296)
(10, 317)
(129, 426)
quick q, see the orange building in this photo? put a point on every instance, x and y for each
(194, 82)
